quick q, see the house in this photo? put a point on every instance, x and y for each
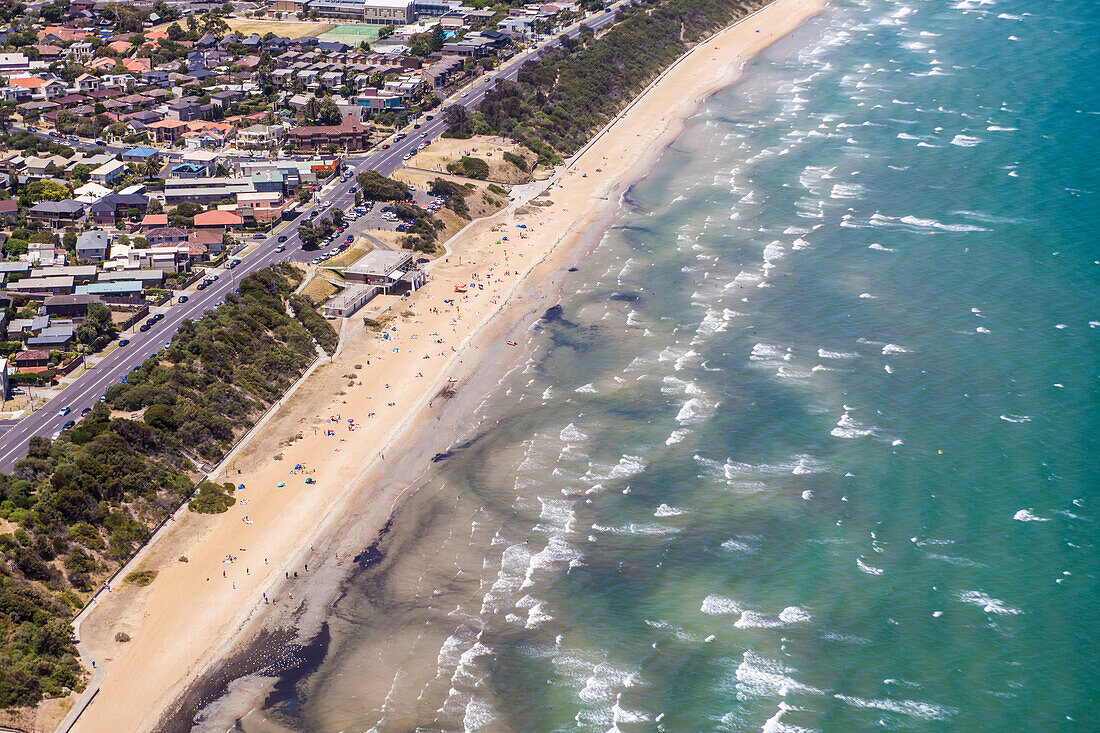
(87, 83)
(14, 63)
(261, 136)
(92, 246)
(90, 192)
(40, 287)
(45, 253)
(52, 337)
(118, 81)
(152, 221)
(166, 131)
(166, 235)
(9, 209)
(140, 155)
(57, 213)
(31, 360)
(117, 207)
(109, 172)
(184, 109)
(69, 306)
(349, 134)
(210, 239)
(40, 88)
(121, 292)
(218, 219)
(149, 77)
(260, 207)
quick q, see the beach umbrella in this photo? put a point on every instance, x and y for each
(240, 486)
(280, 484)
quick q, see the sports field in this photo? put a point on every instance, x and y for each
(284, 28)
(352, 35)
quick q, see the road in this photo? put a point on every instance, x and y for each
(87, 389)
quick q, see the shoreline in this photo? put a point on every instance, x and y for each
(182, 626)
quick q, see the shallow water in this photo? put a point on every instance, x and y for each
(809, 446)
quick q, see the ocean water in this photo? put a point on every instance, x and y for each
(811, 444)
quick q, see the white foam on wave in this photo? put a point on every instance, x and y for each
(826, 354)
(1025, 515)
(677, 436)
(571, 434)
(868, 569)
(894, 349)
(848, 428)
(965, 141)
(586, 389)
(880, 248)
(910, 708)
(1016, 418)
(664, 510)
(758, 676)
(714, 605)
(847, 191)
(988, 603)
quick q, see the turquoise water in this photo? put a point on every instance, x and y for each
(812, 445)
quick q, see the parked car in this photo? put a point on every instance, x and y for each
(123, 342)
(144, 327)
(182, 299)
(158, 317)
(85, 411)
(258, 236)
(68, 425)
(56, 435)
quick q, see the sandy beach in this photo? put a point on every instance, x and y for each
(365, 424)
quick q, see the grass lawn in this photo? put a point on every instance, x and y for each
(285, 28)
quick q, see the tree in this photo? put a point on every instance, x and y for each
(154, 207)
(459, 120)
(43, 191)
(309, 236)
(175, 33)
(376, 187)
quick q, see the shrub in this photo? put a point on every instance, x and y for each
(212, 499)
(141, 578)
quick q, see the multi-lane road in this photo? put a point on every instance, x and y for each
(86, 390)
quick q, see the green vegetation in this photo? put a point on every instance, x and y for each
(558, 101)
(377, 187)
(79, 506)
(212, 499)
(470, 167)
(141, 578)
(517, 161)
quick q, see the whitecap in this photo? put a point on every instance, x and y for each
(826, 354)
(667, 511)
(988, 603)
(911, 708)
(1025, 515)
(965, 141)
(864, 567)
(880, 248)
(1016, 418)
(894, 349)
(714, 605)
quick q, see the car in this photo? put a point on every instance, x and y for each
(123, 342)
(65, 411)
(259, 236)
(182, 299)
(429, 117)
(158, 317)
(465, 94)
(100, 142)
(56, 435)
(423, 134)
(68, 425)
(406, 156)
(231, 265)
(213, 278)
(282, 237)
(103, 398)
(236, 262)
(74, 139)
(281, 248)
(385, 146)
(416, 126)
(85, 411)
(143, 327)
(18, 390)
(202, 285)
